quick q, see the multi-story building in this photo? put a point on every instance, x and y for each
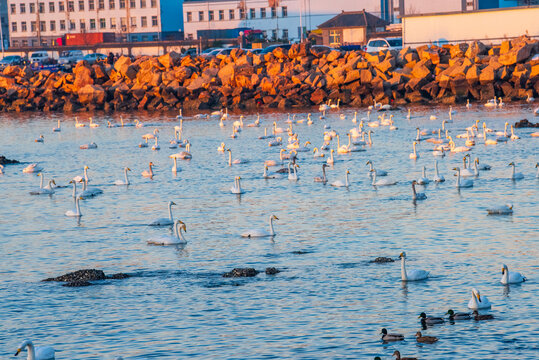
(277, 19)
(4, 28)
(43, 22)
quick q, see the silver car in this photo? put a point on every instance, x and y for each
(390, 43)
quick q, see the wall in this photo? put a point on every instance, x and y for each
(489, 26)
(314, 13)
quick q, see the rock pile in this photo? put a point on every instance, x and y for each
(300, 77)
(83, 277)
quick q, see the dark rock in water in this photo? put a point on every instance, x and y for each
(300, 252)
(118, 276)
(80, 275)
(78, 283)
(241, 272)
(524, 123)
(382, 259)
(6, 161)
(272, 271)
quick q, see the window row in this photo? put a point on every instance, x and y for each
(274, 34)
(82, 5)
(61, 25)
(242, 14)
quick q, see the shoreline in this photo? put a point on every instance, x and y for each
(301, 78)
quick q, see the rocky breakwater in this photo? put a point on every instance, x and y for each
(301, 77)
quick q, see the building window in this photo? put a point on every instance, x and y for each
(122, 4)
(201, 16)
(284, 11)
(231, 14)
(51, 7)
(113, 23)
(92, 24)
(81, 5)
(23, 8)
(132, 4)
(242, 13)
(102, 23)
(143, 22)
(252, 13)
(72, 25)
(32, 8)
(52, 25)
(189, 17)
(189, 36)
(221, 15)
(142, 4)
(154, 20)
(123, 24)
(61, 6)
(144, 38)
(82, 25)
(153, 3)
(101, 4)
(91, 5)
(274, 34)
(285, 34)
(13, 27)
(70, 6)
(334, 37)
(62, 24)
(262, 13)
(41, 8)
(112, 4)
(15, 43)
(13, 8)
(210, 15)
(155, 37)
(23, 26)
(25, 43)
(42, 26)
(33, 26)
(273, 12)
(133, 22)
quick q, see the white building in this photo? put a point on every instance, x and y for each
(42, 22)
(276, 18)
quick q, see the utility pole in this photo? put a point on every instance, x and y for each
(300, 22)
(38, 23)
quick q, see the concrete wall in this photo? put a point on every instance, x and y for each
(489, 26)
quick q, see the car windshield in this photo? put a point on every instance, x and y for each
(394, 42)
(12, 57)
(37, 55)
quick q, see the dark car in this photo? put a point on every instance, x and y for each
(11, 60)
(273, 47)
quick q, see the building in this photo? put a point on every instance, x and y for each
(276, 19)
(351, 28)
(4, 28)
(41, 23)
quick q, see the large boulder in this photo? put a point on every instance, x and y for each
(520, 53)
(475, 49)
(170, 59)
(91, 94)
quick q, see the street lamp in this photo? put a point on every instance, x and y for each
(241, 39)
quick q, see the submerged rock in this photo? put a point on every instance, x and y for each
(241, 272)
(524, 123)
(272, 271)
(6, 161)
(83, 277)
(382, 259)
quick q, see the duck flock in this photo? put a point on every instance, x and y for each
(340, 156)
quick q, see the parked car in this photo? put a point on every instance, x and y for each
(11, 60)
(190, 51)
(377, 44)
(93, 58)
(69, 58)
(255, 51)
(40, 58)
(273, 47)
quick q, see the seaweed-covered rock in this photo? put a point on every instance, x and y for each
(272, 271)
(80, 275)
(241, 272)
(382, 259)
(524, 123)
(118, 276)
(6, 161)
(78, 283)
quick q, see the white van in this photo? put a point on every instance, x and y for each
(40, 58)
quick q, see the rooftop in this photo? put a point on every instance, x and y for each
(354, 19)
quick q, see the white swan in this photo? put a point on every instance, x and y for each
(466, 172)
(482, 167)
(1, 169)
(330, 160)
(43, 190)
(91, 145)
(515, 176)
(322, 179)
(437, 177)
(175, 166)
(476, 302)
(148, 173)
(164, 221)
(381, 182)
(411, 275)
(340, 183)
(293, 176)
(235, 161)
(236, 189)
(78, 124)
(512, 277)
(36, 353)
(156, 146)
(500, 210)
(416, 195)
(465, 183)
(414, 155)
(76, 211)
(177, 239)
(423, 180)
(32, 168)
(57, 128)
(221, 148)
(261, 232)
(268, 175)
(88, 192)
(373, 171)
(92, 124)
(40, 139)
(126, 181)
